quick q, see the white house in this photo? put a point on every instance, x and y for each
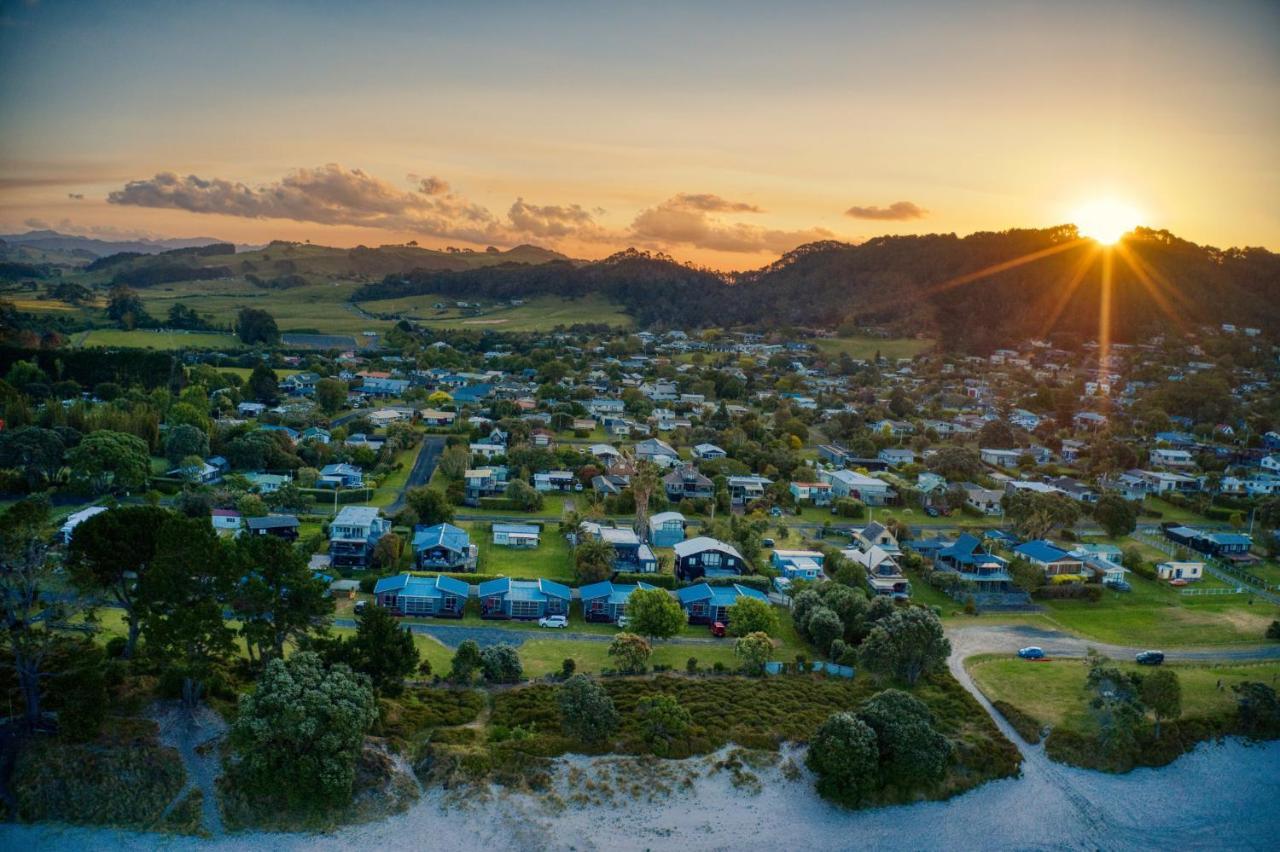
(1180, 570)
(1000, 458)
(849, 483)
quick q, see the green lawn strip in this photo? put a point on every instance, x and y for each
(551, 559)
(165, 340)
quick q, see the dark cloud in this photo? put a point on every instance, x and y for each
(898, 211)
(675, 221)
(712, 203)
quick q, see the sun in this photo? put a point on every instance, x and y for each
(1106, 220)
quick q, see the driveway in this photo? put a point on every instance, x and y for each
(424, 464)
(1008, 638)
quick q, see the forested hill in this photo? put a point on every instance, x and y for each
(974, 293)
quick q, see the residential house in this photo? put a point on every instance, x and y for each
(77, 518)
(985, 500)
(516, 535)
(413, 595)
(630, 554)
(884, 576)
(267, 483)
(381, 384)
(744, 490)
(353, 533)
(443, 547)
(666, 529)
(481, 482)
(985, 571)
(202, 473)
(707, 557)
(706, 604)
(895, 456)
(799, 564)
(1000, 458)
(1170, 457)
(523, 599)
(1184, 571)
(875, 535)
(436, 418)
(812, 493)
(280, 526)
(488, 451)
(686, 483)
(340, 475)
(1053, 560)
(554, 480)
(250, 409)
(708, 452)
(658, 452)
(859, 486)
(607, 601)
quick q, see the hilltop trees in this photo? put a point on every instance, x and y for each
(255, 326)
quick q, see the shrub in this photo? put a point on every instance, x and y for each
(587, 712)
(845, 756)
(663, 722)
(501, 664)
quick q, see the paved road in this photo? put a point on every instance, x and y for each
(1008, 638)
(424, 464)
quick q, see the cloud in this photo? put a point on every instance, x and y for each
(432, 186)
(76, 196)
(898, 211)
(676, 221)
(552, 220)
(711, 203)
(37, 224)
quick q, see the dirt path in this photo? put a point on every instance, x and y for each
(196, 735)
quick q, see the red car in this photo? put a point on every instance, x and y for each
(717, 629)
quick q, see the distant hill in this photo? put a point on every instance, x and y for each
(973, 293)
(90, 247)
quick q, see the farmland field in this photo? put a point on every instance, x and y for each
(538, 314)
(163, 339)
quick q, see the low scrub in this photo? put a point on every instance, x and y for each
(1027, 726)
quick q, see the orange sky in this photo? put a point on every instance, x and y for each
(720, 134)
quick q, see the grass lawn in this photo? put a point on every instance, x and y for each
(321, 307)
(865, 347)
(544, 656)
(141, 339)
(550, 559)
(1170, 512)
(1054, 692)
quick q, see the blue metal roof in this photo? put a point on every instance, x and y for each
(412, 585)
(525, 590)
(1040, 551)
(617, 593)
(446, 535)
(718, 595)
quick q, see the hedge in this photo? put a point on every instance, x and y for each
(752, 582)
(662, 581)
(324, 496)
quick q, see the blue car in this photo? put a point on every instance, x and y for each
(1032, 653)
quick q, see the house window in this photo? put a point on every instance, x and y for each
(525, 609)
(711, 559)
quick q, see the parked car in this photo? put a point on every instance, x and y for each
(360, 606)
(623, 621)
(1032, 652)
(931, 512)
(717, 629)
(768, 542)
(553, 621)
(1119, 585)
(1149, 658)
(775, 511)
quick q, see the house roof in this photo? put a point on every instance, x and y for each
(413, 585)
(524, 529)
(718, 595)
(356, 516)
(273, 522)
(441, 535)
(618, 593)
(664, 517)
(525, 589)
(1041, 551)
(701, 543)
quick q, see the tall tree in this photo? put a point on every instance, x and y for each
(254, 326)
(907, 645)
(429, 505)
(279, 598)
(586, 710)
(593, 560)
(331, 395)
(263, 384)
(107, 460)
(654, 613)
(36, 617)
(845, 757)
(1161, 692)
(381, 649)
(299, 733)
(111, 552)
(184, 593)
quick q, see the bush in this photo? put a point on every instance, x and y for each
(1070, 591)
(501, 664)
(1027, 727)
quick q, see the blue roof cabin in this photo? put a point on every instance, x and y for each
(967, 558)
(507, 598)
(443, 547)
(798, 564)
(607, 601)
(706, 604)
(516, 535)
(666, 529)
(408, 594)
